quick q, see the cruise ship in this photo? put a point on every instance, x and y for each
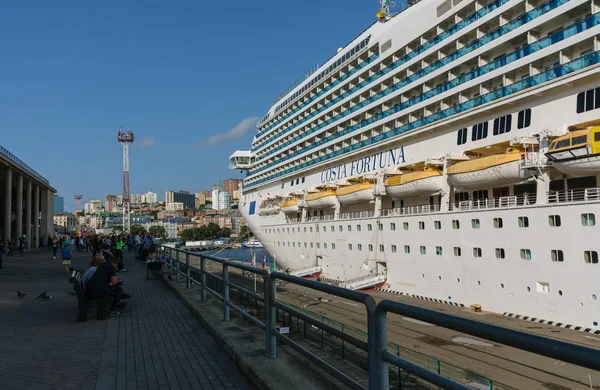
(451, 152)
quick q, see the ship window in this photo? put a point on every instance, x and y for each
(303, 179)
(305, 245)
(475, 224)
(358, 228)
(333, 246)
(554, 220)
(294, 244)
(324, 228)
(359, 247)
(525, 254)
(587, 101)
(288, 229)
(582, 139)
(503, 124)
(455, 224)
(392, 226)
(370, 247)
(476, 252)
(341, 228)
(500, 254)
(381, 248)
(524, 119)
(393, 248)
(588, 219)
(421, 225)
(461, 137)
(380, 226)
(457, 251)
(407, 249)
(349, 228)
(565, 143)
(523, 222)
(437, 225)
(317, 227)
(405, 225)
(297, 181)
(349, 247)
(310, 229)
(293, 230)
(311, 245)
(423, 250)
(498, 223)
(597, 135)
(292, 183)
(438, 250)
(590, 257)
(369, 227)
(557, 255)
(479, 131)
(333, 228)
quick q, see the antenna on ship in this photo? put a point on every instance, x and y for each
(384, 13)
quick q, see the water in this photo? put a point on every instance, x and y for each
(244, 255)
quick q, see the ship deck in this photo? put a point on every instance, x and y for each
(507, 367)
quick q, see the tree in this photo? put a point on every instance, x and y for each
(137, 229)
(246, 232)
(158, 231)
(225, 233)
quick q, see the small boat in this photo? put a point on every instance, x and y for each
(360, 192)
(426, 182)
(290, 206)
(252, 243)
(324, 198)
(485, 172)
(577, 153)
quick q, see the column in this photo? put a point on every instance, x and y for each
(7, 205)
(543, 186)
(447, 193)
(44, 215)
(19, 211)
(28, 229)
(36, 213)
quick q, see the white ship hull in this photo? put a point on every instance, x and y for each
(503, 237)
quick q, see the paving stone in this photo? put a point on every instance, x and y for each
(156, 344)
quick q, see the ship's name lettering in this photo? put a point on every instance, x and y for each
(363, 165)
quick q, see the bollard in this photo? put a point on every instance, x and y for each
(270, 290)
(225, 292)
(187, 270)
(202, 279)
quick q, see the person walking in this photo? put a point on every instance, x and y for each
(119, 253)
(66, 257)
(54, 246)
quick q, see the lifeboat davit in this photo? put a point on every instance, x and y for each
(355, 193)
(577, 153)
(485, 172)
(290, 206)
(426, 182)
(322, 199)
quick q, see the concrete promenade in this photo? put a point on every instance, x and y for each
(156, 344)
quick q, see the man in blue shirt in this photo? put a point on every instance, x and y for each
(66, 255)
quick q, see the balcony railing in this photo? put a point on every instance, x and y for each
(411, 210)
(574, 195)
(357, 214)
(494, 203)
(327, 217)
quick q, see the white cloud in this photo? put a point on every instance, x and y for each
(238, 131)
(145, 142)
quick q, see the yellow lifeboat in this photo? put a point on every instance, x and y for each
(360, 192)
(484, 172)
(577, 153)
(323, 199)
(426, 182)
(290, 205)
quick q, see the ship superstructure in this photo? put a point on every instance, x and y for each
(448, 152)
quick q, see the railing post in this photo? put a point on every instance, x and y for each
(202, 279)
(170, 263)
(380, 379)
(177, 254)
(225, 292)
(270, 290)
(187, 270)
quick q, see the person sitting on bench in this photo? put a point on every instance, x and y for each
(104, 283)
(87, 275)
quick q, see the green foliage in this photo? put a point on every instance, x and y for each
(207, 232)
(246, 232)
(158, 231)
(137, 229)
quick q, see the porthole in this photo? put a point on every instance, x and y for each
(528, 289)
(501, 285)
(594, 297)
(439, 277)
(560, 292)
(479, 282)
(458, 280)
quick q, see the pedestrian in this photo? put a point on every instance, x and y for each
(66, 256)
(54, 246)
(119, 254)
(138, 243)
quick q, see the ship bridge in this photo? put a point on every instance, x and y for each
(241, 159)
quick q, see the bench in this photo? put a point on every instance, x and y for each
(101, 305)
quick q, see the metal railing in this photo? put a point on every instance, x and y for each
(494, 203)
(4, 152)
(357, 215)
(411, 210)
(377, 347)
(574, 195)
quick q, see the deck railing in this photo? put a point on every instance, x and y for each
(574, 195)
(357, 214)
(376, 345)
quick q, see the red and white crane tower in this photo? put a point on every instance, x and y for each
(78, 226)
(125, 139)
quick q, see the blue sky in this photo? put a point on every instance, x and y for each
(181, 74)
